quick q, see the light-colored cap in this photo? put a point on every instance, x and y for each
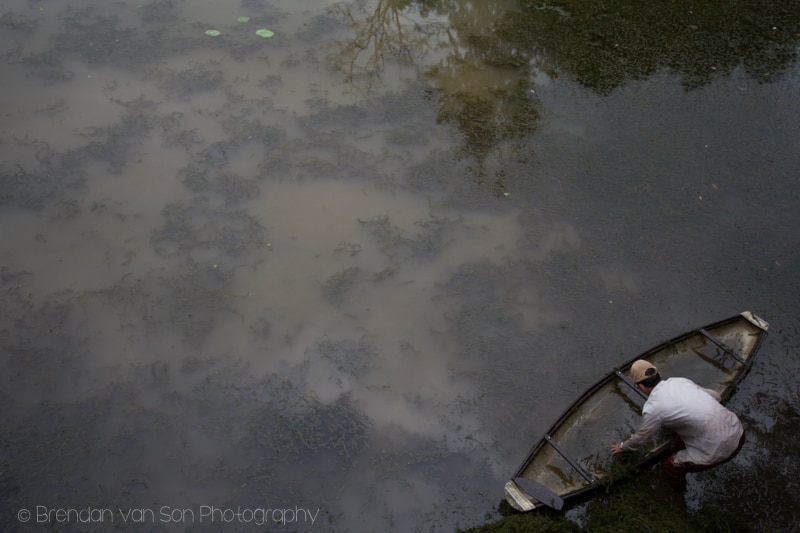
(641, 370)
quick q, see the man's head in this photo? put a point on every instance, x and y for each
(645, 373)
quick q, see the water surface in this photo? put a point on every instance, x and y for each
(356, 268)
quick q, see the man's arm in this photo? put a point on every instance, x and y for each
(645, 433)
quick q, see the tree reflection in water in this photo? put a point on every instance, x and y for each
(483, 82)
(482, 56)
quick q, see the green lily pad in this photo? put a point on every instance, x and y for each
(243, 19)
(212, 33)
(265, 33)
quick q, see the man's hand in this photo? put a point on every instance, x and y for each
(616, 448)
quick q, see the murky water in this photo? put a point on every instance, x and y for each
(354, 269)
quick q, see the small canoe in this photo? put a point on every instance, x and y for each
(574, 456)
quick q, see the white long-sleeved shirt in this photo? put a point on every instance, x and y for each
(710, 431)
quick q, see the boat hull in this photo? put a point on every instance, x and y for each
(573, 457)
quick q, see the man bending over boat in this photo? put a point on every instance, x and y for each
(708, 434)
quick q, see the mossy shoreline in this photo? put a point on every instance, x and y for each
(638, 503)
(634, 505)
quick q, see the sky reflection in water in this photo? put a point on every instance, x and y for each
(360, 265)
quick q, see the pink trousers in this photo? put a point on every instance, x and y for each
(676, 472)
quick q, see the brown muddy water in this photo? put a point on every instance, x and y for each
(340, 278)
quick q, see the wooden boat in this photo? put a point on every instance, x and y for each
(574, 456)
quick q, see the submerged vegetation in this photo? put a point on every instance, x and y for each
(184, 83)
(55, 178)
(393, 242)
(195, 228)
(102, 40)
(153, 367)
(47, 66)
(21, 23)
(309, 430)
(337, 286)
